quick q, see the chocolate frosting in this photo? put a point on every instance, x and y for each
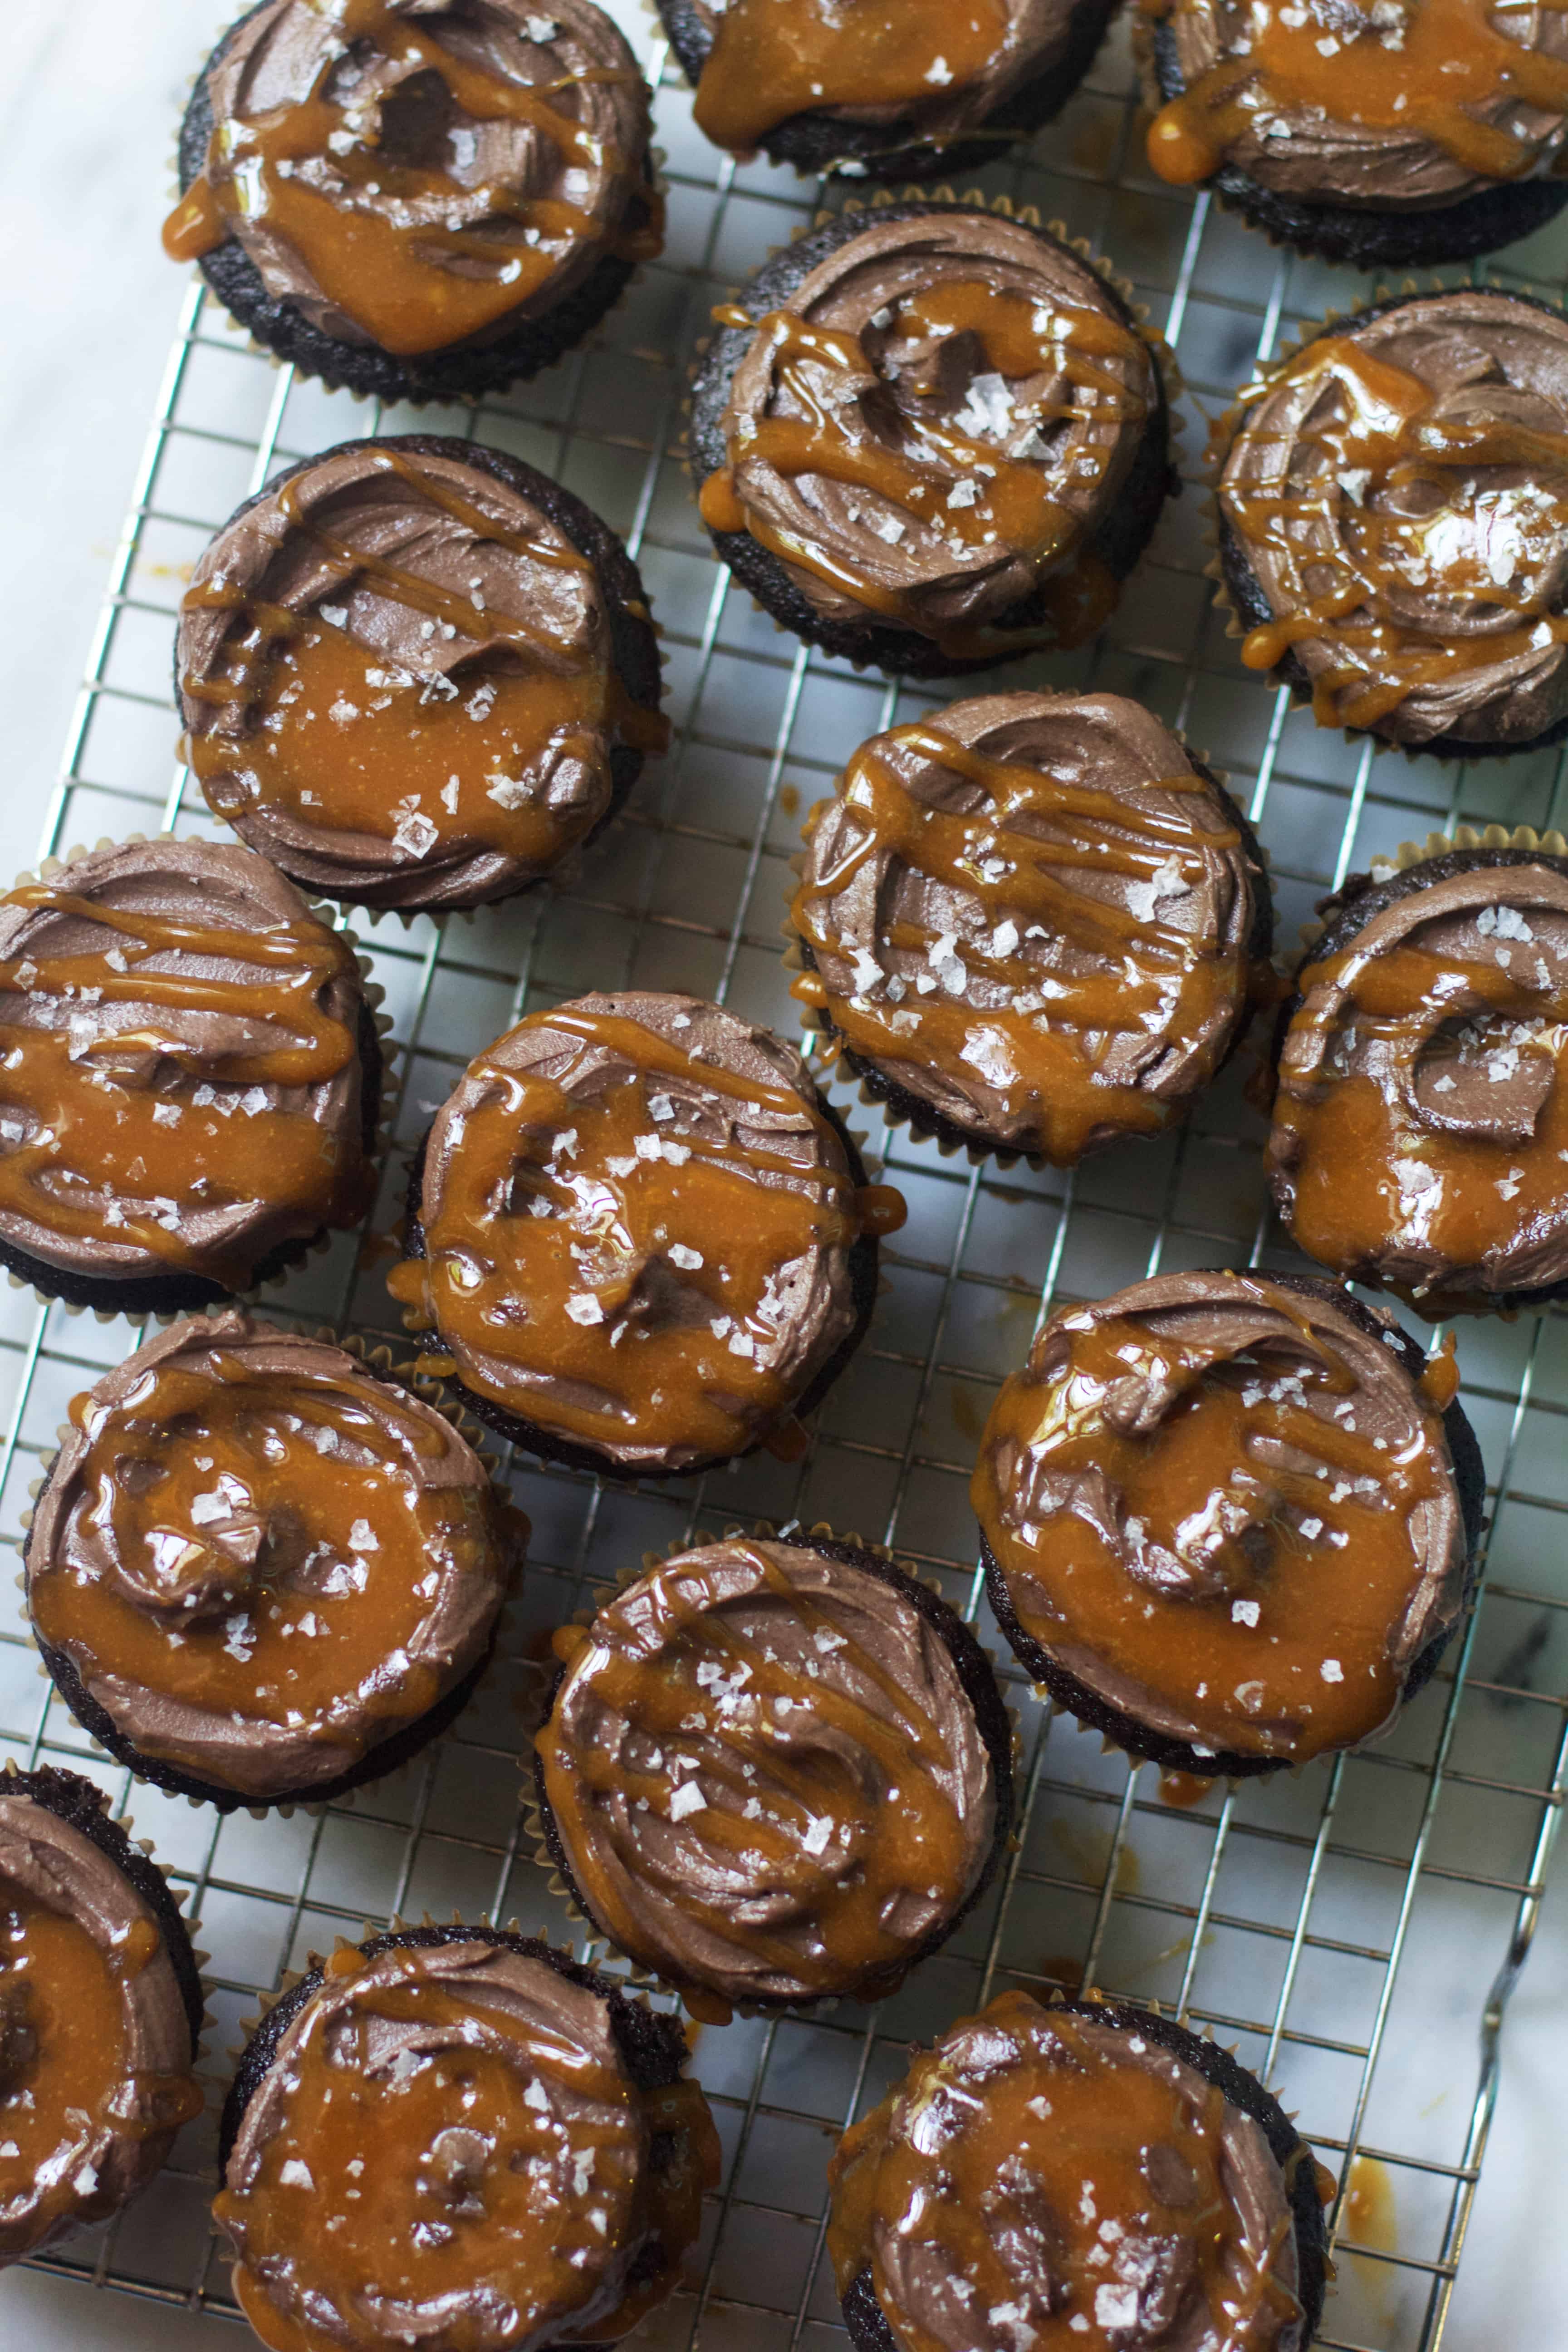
(483, 170)
(970, 2253)
(578, 2112)
(104, 2158)
(175, 1066)
(768, 1683)
(1462, 560)
(1320, 1546)
(902, 922)
(1456, 1186)
(272, 559)
(1080, 448)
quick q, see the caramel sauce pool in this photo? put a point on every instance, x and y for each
(773, 58)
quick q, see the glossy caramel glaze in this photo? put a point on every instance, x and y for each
(261, 1561)
(1042, 2180)
(636, 1225)
(417, 185)
(1228, 1511)
(767, 1777)
(1035, 916)
(773, 58)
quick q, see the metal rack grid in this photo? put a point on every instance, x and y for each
(1337, 1924)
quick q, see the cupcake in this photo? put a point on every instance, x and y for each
(1081, 2170)
(775, 1771)
(415, 673)
(931, 438)
(260, 1575)
(418, 205)
(1421, 1119)
(1394, 523)
(457, 2136)
(894, 91)
(1393, 136)
(1227, 1519)
(101, 2013)
(1031, 923)
(189, 1077)
(639, 1240)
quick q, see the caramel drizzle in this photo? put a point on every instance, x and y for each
(896, 1818)
(425, 285)
(1012, 508)
(1056, 1047)
(1387, 439)
(1443, 68)
(774, 59)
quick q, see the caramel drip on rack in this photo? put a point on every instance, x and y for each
(111, 1146)
(1012, 505)
(843, 1832)
(562, 1247)
(1046, 2171)
(773, 59)
(418, 285)
(1375, 432)
(1431, 67)
(1252, 1553)
(1043, 1046)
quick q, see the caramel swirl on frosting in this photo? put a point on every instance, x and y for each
(1226, 1509)
(766, 1777)
(180, 1076)
(261, 1561)
(1033, 915)
(1046, 2180)
(1421, 1123)
(1398, 491)
(933, 430)
(636, 1225)
(422, 173)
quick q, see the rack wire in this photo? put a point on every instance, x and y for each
(1336, 1926)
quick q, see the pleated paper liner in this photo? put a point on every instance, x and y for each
(376, 1360)
(705, 2007)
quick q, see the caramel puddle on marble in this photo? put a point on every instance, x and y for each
(1089, 1852)
(1370, 2217)
(789, 800)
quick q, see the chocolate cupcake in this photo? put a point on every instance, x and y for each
(896, 90)
(260, 1575)
(1393, 136)
(1421, 1119)
(1032, 923)
(775, 1771)
(931, 438)
(189, 1077)
(101, 2013)
(415, 673)
(1227, 1519)
(1394, 523)
(1078, 2169)
(420, 205)
(641, 1241)
(459, 2136)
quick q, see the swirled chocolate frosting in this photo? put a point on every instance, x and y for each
(95, 2043)
(1040, 2180)
(1032, 915)
(1393, 105)
(419, 175)
(1398, 491)
(448, 2148)
(637, 1224)
(767, 1780)
(934, 427)
(1227, 1510)
(1421, 1122)
(398, 679)
(180, 1072)
(261, 1561)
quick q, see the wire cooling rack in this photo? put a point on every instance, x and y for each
(1340, 1925)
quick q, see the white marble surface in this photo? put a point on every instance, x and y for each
(90, 95)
